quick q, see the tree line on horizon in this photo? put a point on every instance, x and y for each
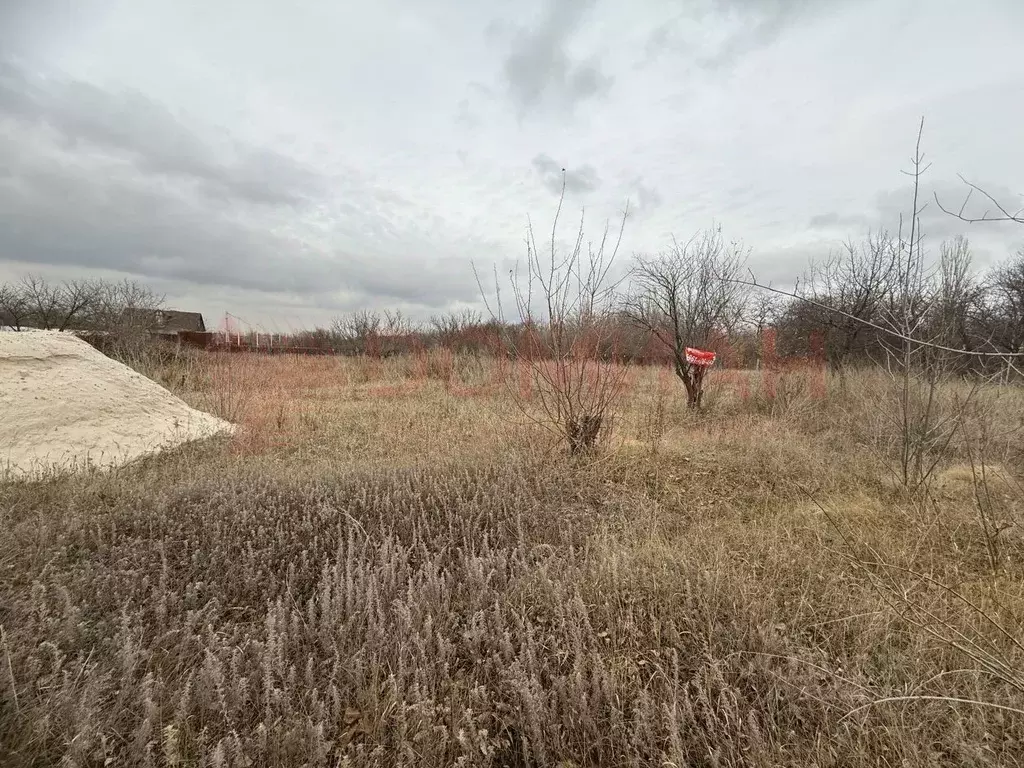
(693, 292)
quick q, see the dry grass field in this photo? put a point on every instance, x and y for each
(390, 565)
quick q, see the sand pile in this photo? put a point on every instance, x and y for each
(65, 406)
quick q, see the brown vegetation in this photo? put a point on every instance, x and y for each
(445, 551)
(388, 566)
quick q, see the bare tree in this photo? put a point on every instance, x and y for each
(764, 310)
(858, 281)
(958, 297)
(45, 302)
(124, 311)
(14, 309)
(1002, 315)
(564, 303)
(78, 298)
(397, 324)
(95, 305)
(685, 296)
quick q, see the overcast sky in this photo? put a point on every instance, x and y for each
(288, 162)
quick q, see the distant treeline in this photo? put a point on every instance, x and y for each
(830, 316)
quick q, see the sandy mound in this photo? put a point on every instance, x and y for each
(65, 406)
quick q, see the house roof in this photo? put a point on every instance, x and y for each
(173, 320)
(170, 320)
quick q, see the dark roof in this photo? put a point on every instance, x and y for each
(173, 320)
(169, 320)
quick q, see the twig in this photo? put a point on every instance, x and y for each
(753, 283)
(948, 699)
(1004, 214)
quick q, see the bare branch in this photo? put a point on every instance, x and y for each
(753, 283)
(572, 381)
(684, 297)
(1003, 213)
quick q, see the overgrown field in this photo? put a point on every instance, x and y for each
(391, 565)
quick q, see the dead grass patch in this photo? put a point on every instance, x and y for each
(412, 576)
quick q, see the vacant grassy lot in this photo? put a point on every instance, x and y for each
(390, 565)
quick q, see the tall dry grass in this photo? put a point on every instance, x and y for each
(388, 566)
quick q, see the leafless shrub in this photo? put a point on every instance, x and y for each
(359, 331)
(397, 324)
(449, 327)
(927, 309)
(984, 633)
(565, 305)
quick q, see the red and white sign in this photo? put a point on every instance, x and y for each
(700, 357)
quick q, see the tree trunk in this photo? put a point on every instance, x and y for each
(693, 398)
(693, 379)
(697, 377)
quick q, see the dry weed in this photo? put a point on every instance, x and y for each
(373, 576)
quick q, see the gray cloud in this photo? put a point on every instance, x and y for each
(890, 205)
(659, 41)
(839, 221)
(119, 183)
(156, 140)
(120, 220)
(762, 21)
(387, 185)
(783, 267)
(578, 181)
(539, 69)
(464, 115)
(24, 24)
(157, 233)
(991, 242)
(647, 198)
